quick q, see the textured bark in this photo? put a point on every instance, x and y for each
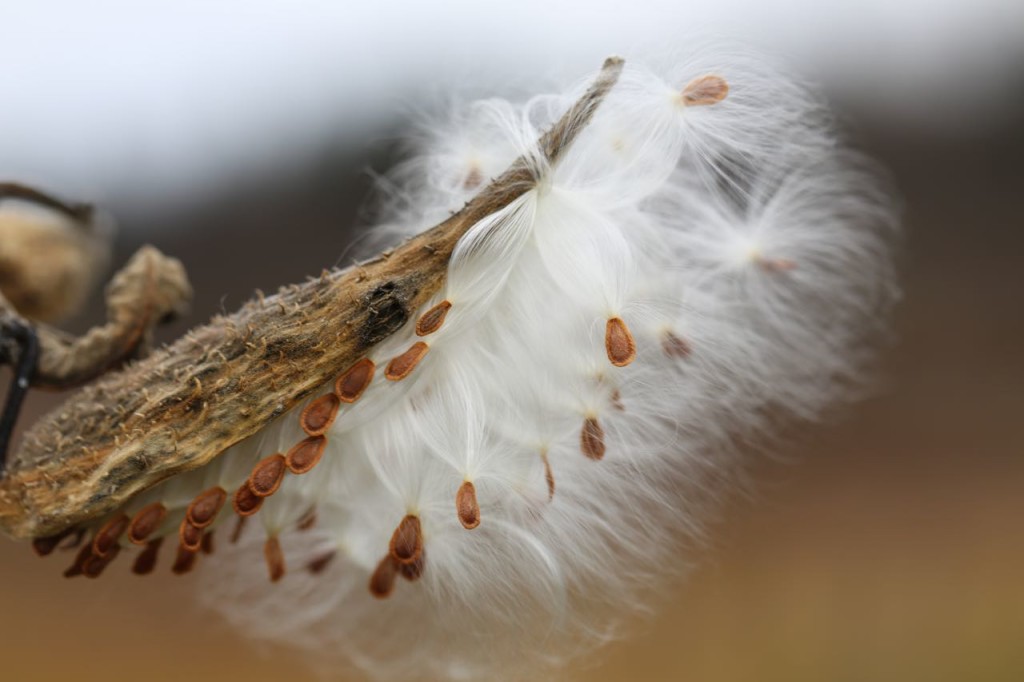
(185, 404)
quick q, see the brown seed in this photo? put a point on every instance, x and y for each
(267, 475)
(616, 400)
(432, 320)
(207, 545)
(45, 546)
(205, 507)
(107, 536)
(184, 562)
(146, 521)
(467, 506)
(95, 565)
(354, 380)
(190, 537)
(240, 524)
(382, 582)
(705, 90)
(245, 502)
(275, 558)
(308, 520)
(305, 455)
(592, 438)
(776, 264)
(145, 562)
(319, 564)
(473, 178)
(414, 570)
(76, 567)
(549, 476)
(402, 365)
(407, 540)
(619, 343)
(319, 414)
(674, 346)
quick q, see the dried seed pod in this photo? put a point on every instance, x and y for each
(319, 414)
(466, 505)
(350, 385)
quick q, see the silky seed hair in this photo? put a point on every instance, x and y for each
(500, 486)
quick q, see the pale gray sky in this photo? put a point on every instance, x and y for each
(161, 100)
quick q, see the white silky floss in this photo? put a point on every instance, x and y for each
(704, 262)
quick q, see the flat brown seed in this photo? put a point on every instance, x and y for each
(108, 535)
(432, 320)
(267, 475)
(402, 365)
(619, 343)
(184, 562)
(319, 414)
(549, 475)
(382, 582)
(354, 380)
(704, 91)
(245, 502)
(467, 506)
(592, 438)
(675, 346)
(204, 508)
(190, 537)
(319, 564)
(304, 455)
(95, 565)
(275, 558)
(414, 570)
(407, 540)
(76, 567)
(145, 522)
(308, 520)
(145, 562)
(45, 546)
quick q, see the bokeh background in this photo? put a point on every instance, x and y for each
(238, 136)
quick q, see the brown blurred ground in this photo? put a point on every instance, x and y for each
(892, 549)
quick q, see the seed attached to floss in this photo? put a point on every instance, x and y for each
(267, 475)
(467, 506)
(305, 455)
(319, 414)
(319, 564)
(402, 365)
(549, 475)
(619, 343)
(407, 540)
(275, 558)
(413, 570)
(432, 320)
(382, 582)
(245, 503)
(107, 537)
(204, 508)
(704, 91)
(351, 384)
(308, 520)
(592, 438)
(145, 562)
(184, 562)
(675, 346)
(145, 522)
(190, 537)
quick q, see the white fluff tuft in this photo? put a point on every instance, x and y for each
(748, 256)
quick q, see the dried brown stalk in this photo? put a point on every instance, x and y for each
(182, 406)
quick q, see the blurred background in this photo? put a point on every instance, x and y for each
(240, 136)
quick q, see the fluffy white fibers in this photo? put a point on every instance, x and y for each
(704, 262)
